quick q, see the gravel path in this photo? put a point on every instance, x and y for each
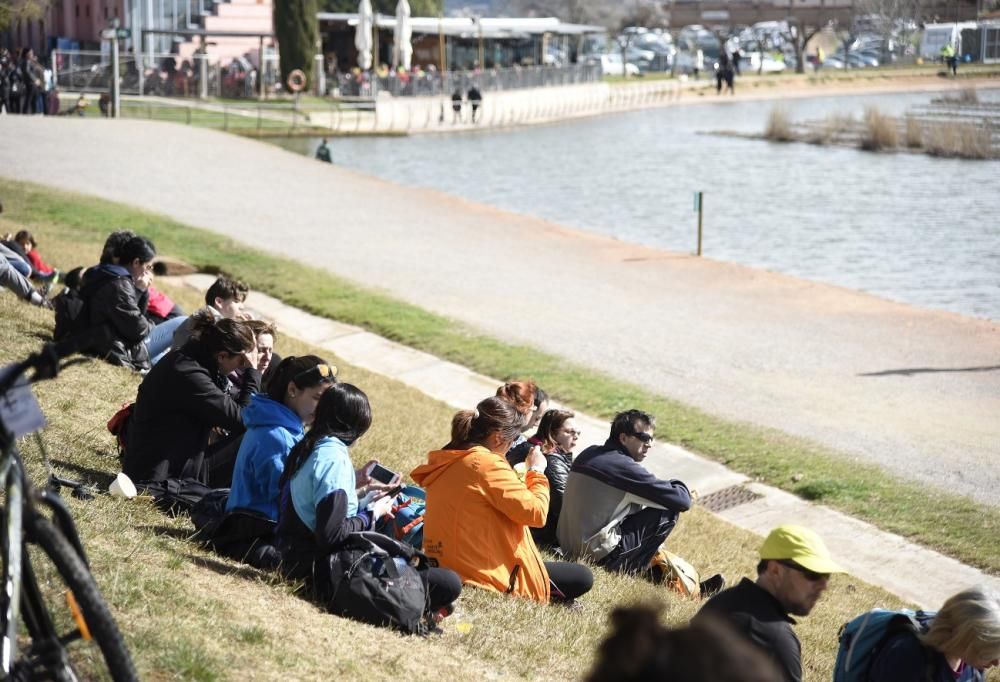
(917, 391)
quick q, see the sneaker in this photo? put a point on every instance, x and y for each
(712, 585)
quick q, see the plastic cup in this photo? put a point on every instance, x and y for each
(122, 486)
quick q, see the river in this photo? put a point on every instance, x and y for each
(906, 227)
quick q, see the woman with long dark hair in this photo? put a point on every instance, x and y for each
(469, 484)
(184, 398)
(319, 504)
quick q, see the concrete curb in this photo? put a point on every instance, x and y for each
(910, 571)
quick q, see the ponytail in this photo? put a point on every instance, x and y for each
(343, 413)
(493, 415)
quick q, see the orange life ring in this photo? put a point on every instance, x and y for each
(296, 80)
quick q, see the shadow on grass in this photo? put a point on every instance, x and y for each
(169, 532)
(223, 568)
(101, 479)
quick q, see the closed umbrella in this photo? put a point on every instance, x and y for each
(363, 35)
(402, 49)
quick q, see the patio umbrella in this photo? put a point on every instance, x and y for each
(363, 34)
(402, 49)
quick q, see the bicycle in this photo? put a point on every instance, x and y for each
(37, 527)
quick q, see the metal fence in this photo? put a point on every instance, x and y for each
(166, 75)
(431, 82)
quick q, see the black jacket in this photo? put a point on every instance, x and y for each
(111, 299)
(758, 617)
(179, 403)
(557, 469)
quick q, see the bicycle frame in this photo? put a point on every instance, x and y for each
(13, 485)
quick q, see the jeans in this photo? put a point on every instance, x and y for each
(642, 534)
(21, 266)
(159, 339)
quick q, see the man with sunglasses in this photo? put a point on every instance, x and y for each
(793, 573)
(615, 512)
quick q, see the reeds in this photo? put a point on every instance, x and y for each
(959, 140)
(779, 126)
(879, 131)
(913, 133)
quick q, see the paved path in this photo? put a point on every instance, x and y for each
(917, 391)
(901, 567)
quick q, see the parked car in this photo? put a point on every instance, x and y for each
(612, 65)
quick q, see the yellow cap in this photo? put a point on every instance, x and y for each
(800, 545)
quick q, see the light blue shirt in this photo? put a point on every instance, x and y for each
(327, 469)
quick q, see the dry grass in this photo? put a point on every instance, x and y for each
(188, 614)
(959, 140)
(913, 132)
(830, 129)
(967, 95)
(879, 132)
(779, 126)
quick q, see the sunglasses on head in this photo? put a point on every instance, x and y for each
(316, 375)
(811, 576)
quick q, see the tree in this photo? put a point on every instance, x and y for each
(297, 31)
(800, 33)
(890, 19)
(14, 11)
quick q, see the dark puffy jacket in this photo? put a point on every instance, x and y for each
(179, 403)
(112, 300)
(557, 467)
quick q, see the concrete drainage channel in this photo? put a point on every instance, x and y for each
(915, 573)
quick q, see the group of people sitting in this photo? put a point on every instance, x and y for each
(216, 405)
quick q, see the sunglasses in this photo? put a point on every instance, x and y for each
(316, 375)
(811, 576)
(644, 437)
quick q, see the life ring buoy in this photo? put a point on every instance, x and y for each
(296, 80)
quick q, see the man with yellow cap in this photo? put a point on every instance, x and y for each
(793, 572)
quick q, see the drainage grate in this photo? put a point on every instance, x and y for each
(727, 498)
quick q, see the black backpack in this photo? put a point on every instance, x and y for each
(377, 580)
(175, 496)
(70, 310)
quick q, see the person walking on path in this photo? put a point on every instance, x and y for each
(475, 100)
(456, 106)
(794, 569)
(950, 58)
(323, 152)
(615, 512)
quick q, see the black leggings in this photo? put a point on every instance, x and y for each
(568, 581)
(444, 586)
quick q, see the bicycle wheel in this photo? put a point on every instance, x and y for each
(49, 608)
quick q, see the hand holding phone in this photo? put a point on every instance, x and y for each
(381, 474)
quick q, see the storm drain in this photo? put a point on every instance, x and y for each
(727, 498)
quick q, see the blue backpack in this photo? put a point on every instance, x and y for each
(862, 638)
(406, 521)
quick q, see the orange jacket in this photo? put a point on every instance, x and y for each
(477, 519)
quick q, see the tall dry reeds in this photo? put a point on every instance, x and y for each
(913, 133)
(779, 126)
(831, 129)
(959, 140)
(879, 131)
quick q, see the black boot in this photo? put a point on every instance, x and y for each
(712, 585)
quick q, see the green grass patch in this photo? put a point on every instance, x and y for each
(951, 524)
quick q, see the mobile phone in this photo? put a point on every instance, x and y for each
(381, 474)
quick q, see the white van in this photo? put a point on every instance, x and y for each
(937, 36)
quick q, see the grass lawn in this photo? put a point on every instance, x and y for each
(188, 614)
(948, 523)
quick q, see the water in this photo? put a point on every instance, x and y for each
(907, 227)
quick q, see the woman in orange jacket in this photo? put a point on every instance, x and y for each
(479, 512)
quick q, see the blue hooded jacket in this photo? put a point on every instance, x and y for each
(272, 431)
